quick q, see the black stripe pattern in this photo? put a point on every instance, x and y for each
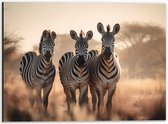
(73, 69)
(104, 70)
(38, 71)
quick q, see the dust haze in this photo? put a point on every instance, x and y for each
(140, 93)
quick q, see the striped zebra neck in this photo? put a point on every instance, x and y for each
(78, 73)
(106, 64)
(107, 70)
(107, 60)
(45, 64)
(75, 64)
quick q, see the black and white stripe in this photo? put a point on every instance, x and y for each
(38, 71)
(73, 70)
(105, 70)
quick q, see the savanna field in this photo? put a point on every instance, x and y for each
(130, 30)
(140, 92)
(134, 99)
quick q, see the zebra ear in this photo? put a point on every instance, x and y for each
(45, 34)
(100, 28)
(89, 35)
(116, 28)
(53, 35)
(73, 35)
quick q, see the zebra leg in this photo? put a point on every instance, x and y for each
(94, 97)
(68, 97)
(72, 102)
(83, 98)
(109, 102)
(38, 99)
(100, 102)
(73, 95)
(46, 92)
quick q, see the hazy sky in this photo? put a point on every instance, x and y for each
(30, 19)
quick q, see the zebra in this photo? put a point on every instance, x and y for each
(38, 71)
(73, 70)
(104, 70)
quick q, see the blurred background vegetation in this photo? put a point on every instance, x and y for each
(142, 54)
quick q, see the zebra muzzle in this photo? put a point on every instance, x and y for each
(107, 52)
(81, 60)
(48, 55)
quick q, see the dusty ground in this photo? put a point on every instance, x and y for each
(133, 100)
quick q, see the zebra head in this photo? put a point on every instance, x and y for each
(108, 39)
(81, 46)
(47, 44)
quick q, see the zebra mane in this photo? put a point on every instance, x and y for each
(82, 34)
(40, 44)
(108, 28)
(41, 40)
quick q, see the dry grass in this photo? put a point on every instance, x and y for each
(140, 100)
(133, 100)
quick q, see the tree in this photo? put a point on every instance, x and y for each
(11, 55)
(11, 43)
(144, 46)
